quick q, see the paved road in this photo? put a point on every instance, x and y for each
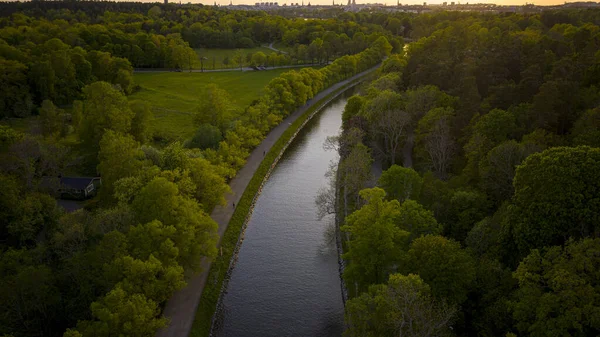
(181, 307)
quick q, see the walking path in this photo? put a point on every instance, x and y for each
(181, 307)
(270, 46)
(166, 70)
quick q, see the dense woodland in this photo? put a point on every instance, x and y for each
(486, 220)
(109, 268)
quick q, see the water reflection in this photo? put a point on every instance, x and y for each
(286, 280)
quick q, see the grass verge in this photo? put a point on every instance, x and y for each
(220, 266)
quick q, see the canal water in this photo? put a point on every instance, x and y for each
(286, 280)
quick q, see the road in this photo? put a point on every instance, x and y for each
(181, 307)
(165, 70)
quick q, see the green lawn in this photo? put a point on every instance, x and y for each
(215, 56)
(174, 96)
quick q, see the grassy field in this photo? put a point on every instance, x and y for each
(215, 56)
(174, 96)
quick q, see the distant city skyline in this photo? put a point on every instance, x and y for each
(389, 3)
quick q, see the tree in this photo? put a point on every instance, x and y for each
(207, 136)
(142, 118)
(215, 108)
(403, 307)
(557, 197)
(239, 58)
(390, 128)
(441, 263)
(376, 243)
(417, 220)
(15, 100)
(497, 169)
(435, 141)
(586, 130)
(466, 209)
(119, 156)
(558, 291)
(196, 234)
(401, 183)
(123, 314)
(105, 108)
(354, 172)
(50, 119)
(258, 59)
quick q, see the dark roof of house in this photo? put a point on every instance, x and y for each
(78, 183)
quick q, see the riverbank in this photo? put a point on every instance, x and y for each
(202, 291)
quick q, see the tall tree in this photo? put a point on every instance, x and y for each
(403, 307)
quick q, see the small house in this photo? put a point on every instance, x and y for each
(79, 188)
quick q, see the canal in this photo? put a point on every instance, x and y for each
(286, 280)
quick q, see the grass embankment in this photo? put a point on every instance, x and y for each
(215, 56)
(175, 96)
(220, 266)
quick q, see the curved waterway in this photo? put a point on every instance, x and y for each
(286, 280)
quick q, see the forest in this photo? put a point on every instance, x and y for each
(484, 222)
(485, 219)
(67, 71)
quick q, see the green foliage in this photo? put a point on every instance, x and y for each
(376, 242)
(123, 314)
(206, 137)
(586, 130)
(466, 209)
(105, 108)
(142, 119)
(119, 157)
(401, 183)
(403, 306)
(435, 144)
(15, 100)
(558, 291)
(196, 233)
(556, 195)
(215, 108)
(443, 265)
(417, 220)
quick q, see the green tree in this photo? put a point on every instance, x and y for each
(196, 234)
(142, 118)
(50, 119)
(122, 314)
(586, 130)
(105, 108)
(557, 196)
(401, 183)
(441, 263)
(15, 100)
(558, 291)
(119, 156)
(417, 220)
(207, 136)
(258, 59)
(435, 143)
(376, 242)
(403, 307)
(466, 209)
(215, 108)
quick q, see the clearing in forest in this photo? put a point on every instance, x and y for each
(174, 96)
